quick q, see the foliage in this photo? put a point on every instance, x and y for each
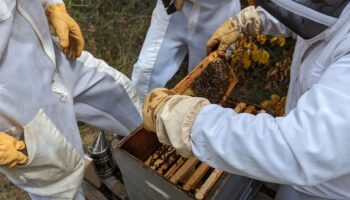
(275, 105)
(114, 30)
(262, 65)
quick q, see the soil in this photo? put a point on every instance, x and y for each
(213, 82)
(9, 191)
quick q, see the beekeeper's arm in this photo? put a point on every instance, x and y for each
(67, 29)
(307, 147)
(250, 21)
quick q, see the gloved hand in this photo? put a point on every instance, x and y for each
(10, 155)
(247, 22)
(173, 118)
(179, 4)
(154, 101)
(67, 30)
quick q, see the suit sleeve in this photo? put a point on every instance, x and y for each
(308, 146)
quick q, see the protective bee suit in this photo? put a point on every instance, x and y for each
(171, 37)
(308, 148)
(43, 94)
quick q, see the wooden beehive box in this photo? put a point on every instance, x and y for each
(154, 171)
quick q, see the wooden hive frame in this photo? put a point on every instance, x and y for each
(191, 171)
(182, 168)
(188, 174)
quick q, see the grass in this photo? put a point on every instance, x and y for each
(114, 30)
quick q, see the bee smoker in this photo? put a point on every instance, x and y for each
(102, 156)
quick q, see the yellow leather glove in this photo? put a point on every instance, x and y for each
(10, 155)
(67, 30)
(154, 101)
(247, 22)
(179, 4)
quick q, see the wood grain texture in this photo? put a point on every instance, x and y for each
(196, 177)
(208, 184)
(184, 170)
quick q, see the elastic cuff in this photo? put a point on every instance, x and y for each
(50, 5)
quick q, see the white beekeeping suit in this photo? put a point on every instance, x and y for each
(171, 37)
(309, 147)
(43, 94)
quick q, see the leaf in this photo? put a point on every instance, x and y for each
(272, 72)
(255, 53)
(281, 41)
(275, 99)
(266, 104)
(264, 57)
(246, 60)
(262, 39)
(273, 40)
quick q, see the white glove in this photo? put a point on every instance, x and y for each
(175, 120)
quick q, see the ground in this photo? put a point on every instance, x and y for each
(114, 31)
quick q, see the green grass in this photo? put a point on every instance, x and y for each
(114, 30)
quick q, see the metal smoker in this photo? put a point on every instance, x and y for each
(102, 156)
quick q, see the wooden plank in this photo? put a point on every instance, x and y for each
(141, 143)
(168, 163)
(156, 155)
(196, 177)
(171, 172)
(116, 187)
(91, 193)
(187, 81)
(150, 159)
(208, 184)
(230, 88)
(162, 158)
(184, 170)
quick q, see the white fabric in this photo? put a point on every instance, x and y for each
(6, 6)
(174, 126)
(49, 155)
(101, 66)
(309, 147)
(35, 77)
(47, 3)
(171, 38)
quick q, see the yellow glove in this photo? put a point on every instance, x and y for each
(154, 101)
(247, 22)
(67, 30)
(179, 4)
(10, 155)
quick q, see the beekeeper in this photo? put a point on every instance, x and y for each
(44, 91)
(309, 147)
(171, 37)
